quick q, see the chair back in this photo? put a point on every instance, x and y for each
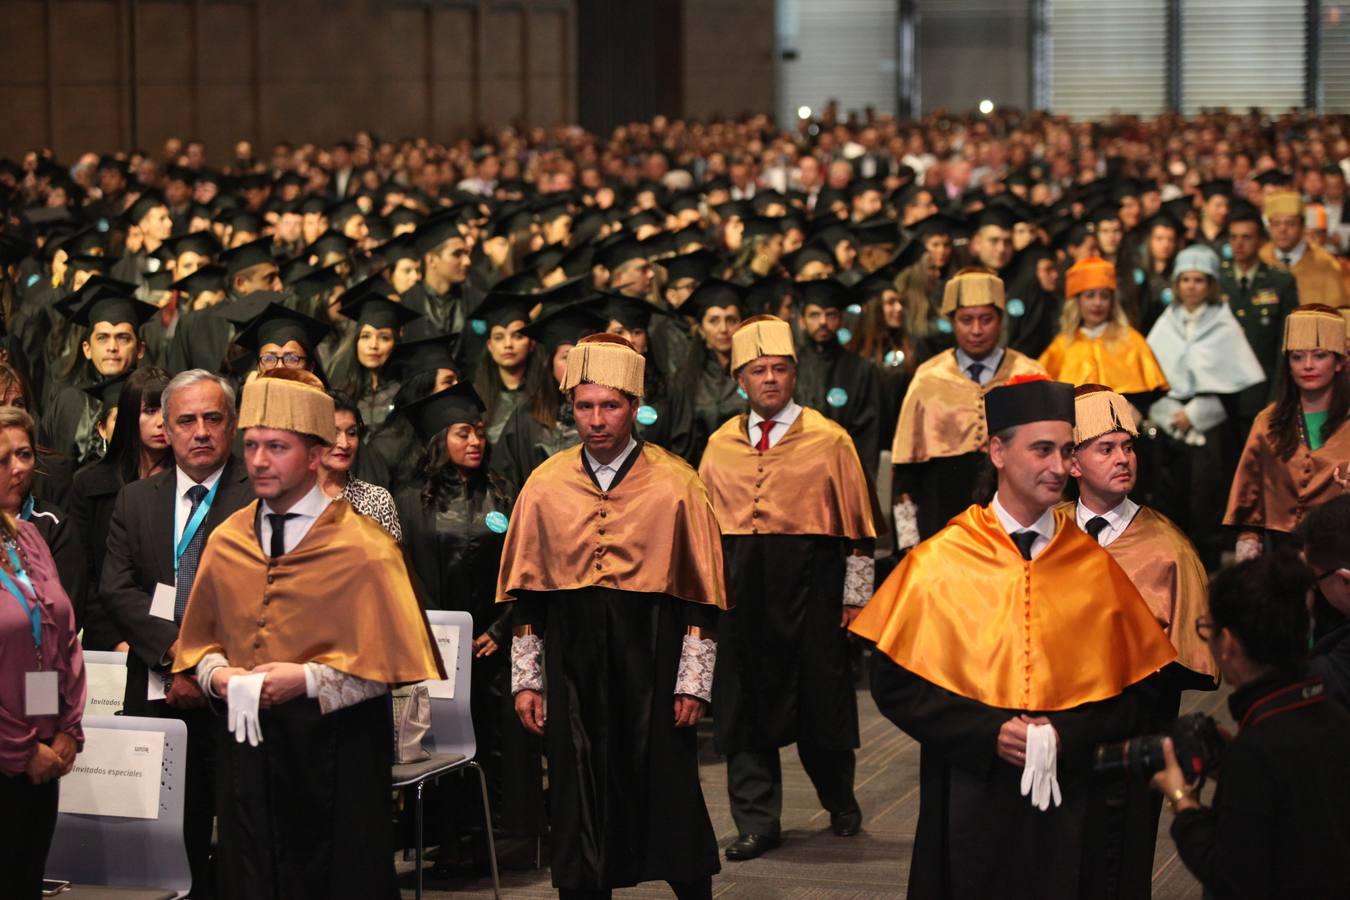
(451, 720)
(118, 851)
(106, 674)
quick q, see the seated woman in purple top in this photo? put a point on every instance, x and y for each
(42, 689)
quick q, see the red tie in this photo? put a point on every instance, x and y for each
(764, 428)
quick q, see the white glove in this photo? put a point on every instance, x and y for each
(906, 524)
(245, 692)
(1039, 774)
(860, 574)
(1248, 547)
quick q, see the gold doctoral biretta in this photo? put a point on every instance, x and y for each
(607, 360)
(761, 336)
(288, 400)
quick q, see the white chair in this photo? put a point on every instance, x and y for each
(450, 741)
(106, 673)
(130, 858)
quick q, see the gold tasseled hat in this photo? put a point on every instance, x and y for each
(1315, 327)
(607, 360)
(289, 400)
(761, 336)
(1098, 410)
(972, 287)
(1284, 203)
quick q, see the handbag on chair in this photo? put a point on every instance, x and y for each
(412, 721)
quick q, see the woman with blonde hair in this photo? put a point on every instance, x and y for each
(1096, 344)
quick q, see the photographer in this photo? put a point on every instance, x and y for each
(1326, 547)
(1280, 823)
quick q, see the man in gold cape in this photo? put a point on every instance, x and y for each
(301, 616)
(1163, 565)
(940, 439)
(795, 510)
(614, 560)
(1009, 620)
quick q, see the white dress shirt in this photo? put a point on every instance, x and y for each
(781, 423)
(1117, 520)
(990, 363)
(1044, 526)
(183, 509)
(307, 511)
(605, 473)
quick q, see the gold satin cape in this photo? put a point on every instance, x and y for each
(1163, 565)
(342, 598)
(654, 532)
(810, 482)
(943, 412)
(967, 613)
(1273, 493)
(1125, 366)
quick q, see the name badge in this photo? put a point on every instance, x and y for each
(1265, 298)
(40, 691)
(161, 602)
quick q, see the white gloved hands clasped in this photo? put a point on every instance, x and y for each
(1039, 774)
(244, 694)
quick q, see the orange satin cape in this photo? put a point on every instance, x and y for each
(654, 532)
(341, 598)
(1126, 366)
(810, 482)
(966, 612)
(1274, 493)
(943, 412)
(1163, 565)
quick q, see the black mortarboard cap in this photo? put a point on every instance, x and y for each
(566, 325)
(766, 198)
(316, 281)
(1216, 187)
(1032, 399)
(695, 265)
(432, 233)
(141, 208)
(180, 173)
(713, 293)
(631, 312)
(827, 293)
(795, 262)
(207, 278)
(502, 308)
(203, 243)
(434, 413)
(377, 310)
(733, 208)
(545, 259)
(863, 185)
(999, 216)
(246, 256)
(877, 230)
(1274, 178)
(1179, 207)
(341, 212)
(762, 226)
(277, 324)
(424, 355)
(625, 249)
(105, 300)
(331, 241)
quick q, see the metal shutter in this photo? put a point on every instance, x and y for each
(1241, 53)
(1335, 60)
(1107, 56)
(846, 51)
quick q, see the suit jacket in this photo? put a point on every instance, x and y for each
(1261, 309)
(140, 556)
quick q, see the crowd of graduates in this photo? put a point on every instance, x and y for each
(921, 265)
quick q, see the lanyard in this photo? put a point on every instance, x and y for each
(194, 523)
(27, 598)
(26, 512)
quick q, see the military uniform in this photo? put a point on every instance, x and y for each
(1260, 306)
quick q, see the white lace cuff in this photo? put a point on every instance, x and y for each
(527, 663)
(859, 574)
(337, 690)
(1247, 548)
(210, 662)
(906, 524)
(698, 657)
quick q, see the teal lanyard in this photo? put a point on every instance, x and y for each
(193, 524)
(27, 598)
(26, 512)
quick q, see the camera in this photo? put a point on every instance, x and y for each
(1195, 740)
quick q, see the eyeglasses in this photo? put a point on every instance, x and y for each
(1204, 627)
(289, 360)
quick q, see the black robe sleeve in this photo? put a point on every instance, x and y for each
(964, 731)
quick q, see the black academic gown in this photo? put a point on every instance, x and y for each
(456, 555)
(668, 337)
(894, 376)
(202, 340)
(783, 672)
(59, 530)
(70, 424)
(93, 496)
(310, 768)
(525, 442)
(441, 314)
(625, 801)
(1033, 322)
(392, 453)
(847, 389)
(941, 487)
(977, 836)
(716, 398)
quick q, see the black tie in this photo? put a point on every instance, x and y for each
(187, 563)
(278, 521)
(1095, 526)
(975, 370)
(1246, 283)
(1024, 540)
(1288, 261)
